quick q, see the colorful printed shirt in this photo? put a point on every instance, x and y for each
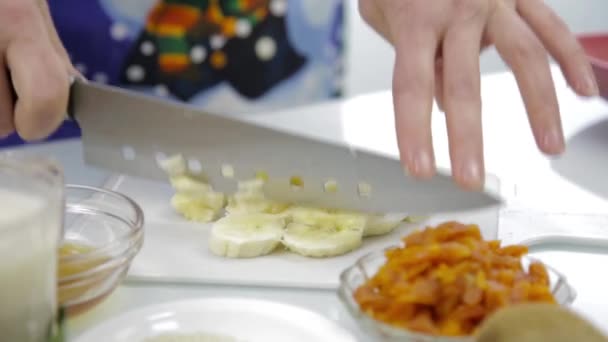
(227, 56)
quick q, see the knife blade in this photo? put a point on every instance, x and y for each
(129, 132)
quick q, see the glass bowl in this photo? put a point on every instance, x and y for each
(103, 232)
(368, 265)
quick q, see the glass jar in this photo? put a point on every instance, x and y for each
(31, 215)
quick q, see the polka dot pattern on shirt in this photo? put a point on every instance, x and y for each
(217, 41)
(265, 48)
(243, 28)
(198, 54)
(278, 8)
(135, 73)
(119, 31)
(147, 48)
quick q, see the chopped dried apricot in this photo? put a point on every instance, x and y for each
(538, 273)
(423, 322)
(446, 280)
(514, 250)
(450, 327)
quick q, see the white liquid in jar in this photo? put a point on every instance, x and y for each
(29, 231)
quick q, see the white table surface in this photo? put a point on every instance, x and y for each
(539, 200)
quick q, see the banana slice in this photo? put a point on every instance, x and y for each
(351, 220)
(247, 196)
(322, 241)
(326, 217)
(250, 199)
(189, 185)
(381, 224)
(415, 219)
(310, 216)
(246, 236)
(174, 166)
(203, 207)
(251, 206)
(239, 207)
(251, 186)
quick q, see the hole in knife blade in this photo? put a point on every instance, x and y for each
(227, 171)
(331, 186)
(194, 165)
(296, 182)
(364, 189)
(128, 152)
(261, 175)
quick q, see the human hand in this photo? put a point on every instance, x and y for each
(437, 47)
(34, 70)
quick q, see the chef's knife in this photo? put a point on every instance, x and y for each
(128, 132)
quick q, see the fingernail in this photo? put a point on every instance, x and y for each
(553, 141)
(471, 175)
(588, 85)
(422, 164)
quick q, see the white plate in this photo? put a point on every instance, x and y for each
(246, 320)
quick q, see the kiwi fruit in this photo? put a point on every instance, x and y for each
(538, 323)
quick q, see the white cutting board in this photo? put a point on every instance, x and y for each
(175, 250)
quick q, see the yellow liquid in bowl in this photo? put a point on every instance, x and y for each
(69, 292)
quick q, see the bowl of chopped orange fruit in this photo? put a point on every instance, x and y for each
(443, 282)
(103, 232)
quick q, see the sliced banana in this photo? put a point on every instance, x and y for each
(351, 220)
(200, 208)
(251, 206)
(310, 216)
(189, 185)
(255, 225)
(247, 235)
(249, 199)
(239, 207)
(174, 166)
(415, 219)
(326, 217)
(381, 224)
(251, 186)
(321, 241)
(241, 196)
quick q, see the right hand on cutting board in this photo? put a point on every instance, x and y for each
(34, 70)
(437, 47)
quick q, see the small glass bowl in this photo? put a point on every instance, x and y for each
(368, 265)
(103, 232)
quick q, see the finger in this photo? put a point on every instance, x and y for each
(413, 89)
(6, 103)
(51, 31)
(526, 56)
(41, 84)
(561, 44)
(374, 17)
(462, 103)
(55, 40)
(462, 100)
